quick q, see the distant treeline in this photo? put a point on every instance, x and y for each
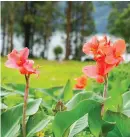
(35, 21)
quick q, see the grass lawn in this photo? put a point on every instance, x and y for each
(52, 73)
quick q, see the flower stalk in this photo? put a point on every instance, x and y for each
(105, 92)
(25, 105)
(105, 87)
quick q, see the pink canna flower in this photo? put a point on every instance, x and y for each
(19, 60)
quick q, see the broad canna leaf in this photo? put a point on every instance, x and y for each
(122, 127)
(3, 106)
(5, 91)
(10, 119)
(63, 120)
(36, 123)
(95, 121)
(20, 88)
(53, 92)
(67, 91)
(78, 126)
(82, 96)
(126, 103)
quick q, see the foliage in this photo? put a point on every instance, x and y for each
(35, 22)
(118, 22)
(65, 109)
(83, 109)
(57, 51)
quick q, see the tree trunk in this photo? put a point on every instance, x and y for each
(11, 31)
(3, 44)
(11, 26)
(27, 27)
(84, 14)
(8, 40)
(83, 18)
(44, 52)
(68, 29)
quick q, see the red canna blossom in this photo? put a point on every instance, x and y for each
(115, 57)
(19, 60)
(106, 55)
(81, 82)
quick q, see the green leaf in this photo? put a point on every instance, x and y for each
(82, 96)
(126, 103)
(67, 91)
(63, 120)
(122, 127)
(107, 126)
(36, 123)
(114, 133)
(95, 121)
(4, 91)
(11, 118)
(78, 126)
(20, 88)
(3, 106)
(15, 99)
(114, 104)
(53, 92)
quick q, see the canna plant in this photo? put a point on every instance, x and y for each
(19, 60)
(67, 111)
(93, 112)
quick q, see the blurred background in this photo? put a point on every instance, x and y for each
(57, 31)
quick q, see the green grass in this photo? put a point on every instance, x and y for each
(52, 73)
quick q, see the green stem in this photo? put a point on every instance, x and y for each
(105, 87)
(25, 105)
(105, 91)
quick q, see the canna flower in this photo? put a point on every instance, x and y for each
(106, 55)
(91, 47)
(115, 57)
(19, 60)
(103, 49)
(81, 82)
(92, 71)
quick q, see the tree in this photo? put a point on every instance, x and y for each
(8, 12)
(46, 22)
(119, 20)
(83, 25)
(3, 25)
(68, 28)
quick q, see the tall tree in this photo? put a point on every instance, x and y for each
(8, 13)
(28, 27)
(47, 17)
(11, 24)
(3, 26)
(119, 20)
(83, 24)
(68, 29)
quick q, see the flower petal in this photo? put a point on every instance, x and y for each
(11, 64)
(110, 59)
(120, 47)
(90, 71)
(28, 65)
(13, 56)
(24, 53)
(87, 48)
(95, 41)
(109, 67)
